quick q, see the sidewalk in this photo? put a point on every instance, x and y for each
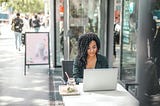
(37, 88)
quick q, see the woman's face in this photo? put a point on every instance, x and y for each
(92, 49)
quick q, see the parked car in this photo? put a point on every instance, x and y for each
(4, 22)
(4, 17)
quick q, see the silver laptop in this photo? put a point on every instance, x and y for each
(100, 79)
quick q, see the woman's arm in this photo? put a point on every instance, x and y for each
(77, 72)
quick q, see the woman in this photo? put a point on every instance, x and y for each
(88, 57)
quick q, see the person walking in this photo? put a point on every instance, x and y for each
(156, 51)
(36, 23)
(17, 25)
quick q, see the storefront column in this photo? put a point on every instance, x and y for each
(51, 32)
(142, 52)
(110, 23)
(106, 35)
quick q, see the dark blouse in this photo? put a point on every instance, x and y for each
(78, 71)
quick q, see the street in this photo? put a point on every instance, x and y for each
(16, 89)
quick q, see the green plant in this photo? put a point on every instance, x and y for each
(31, 6)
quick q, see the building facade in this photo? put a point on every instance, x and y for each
(71, 18)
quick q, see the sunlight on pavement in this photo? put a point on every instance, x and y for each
(41, 102)
(10, 99)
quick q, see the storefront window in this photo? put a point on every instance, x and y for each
(59, 32)
(128, 53)
(82, 16)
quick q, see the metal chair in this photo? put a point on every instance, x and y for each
(152, 100)
(67, 66)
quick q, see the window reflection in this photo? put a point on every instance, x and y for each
(83, 17)
(59, 31)
(128, 55)
(154, 39)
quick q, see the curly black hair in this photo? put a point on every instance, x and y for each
(83, 44)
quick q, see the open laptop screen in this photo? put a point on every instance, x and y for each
(100, 79)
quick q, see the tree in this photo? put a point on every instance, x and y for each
(25, 6)
(1, 1)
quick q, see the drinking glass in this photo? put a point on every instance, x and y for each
(71, 81)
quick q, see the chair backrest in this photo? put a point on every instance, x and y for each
(67, 66)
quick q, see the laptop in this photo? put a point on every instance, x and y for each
(100, 79)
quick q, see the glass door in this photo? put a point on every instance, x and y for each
(59, 31)
(83, 17)
(128, 49)
(73, 18)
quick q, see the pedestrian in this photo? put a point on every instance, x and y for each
(156, 51)
(116, 37)
(17, 25)
(36, 23)
(30, 22)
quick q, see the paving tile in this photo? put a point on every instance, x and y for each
(16, 89)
